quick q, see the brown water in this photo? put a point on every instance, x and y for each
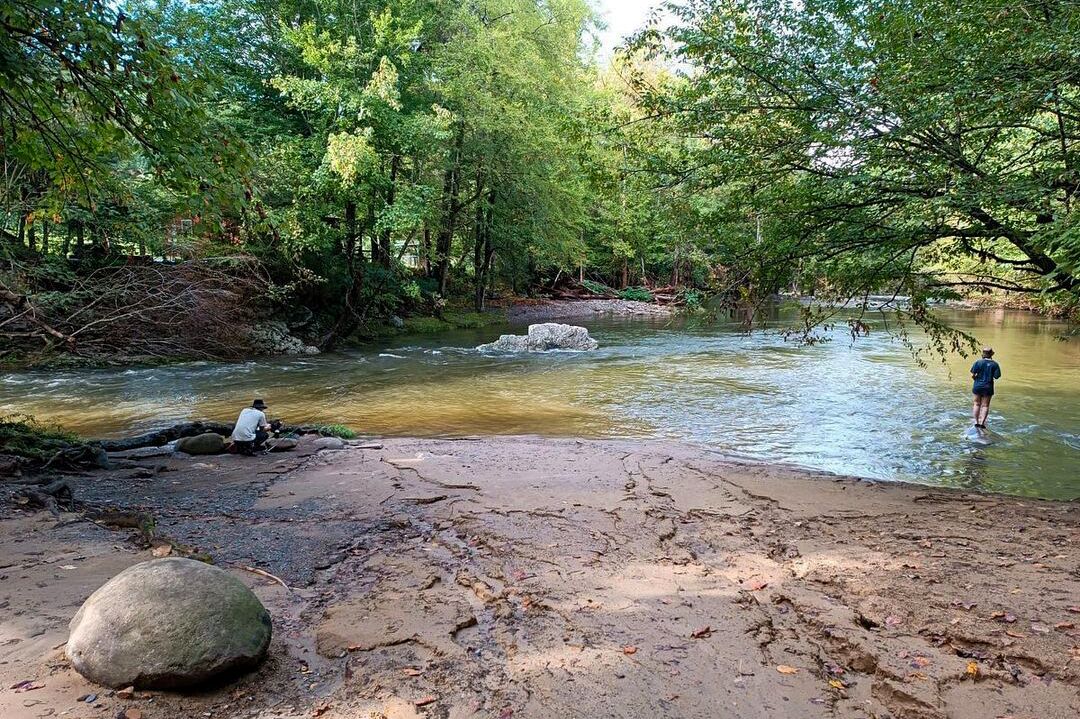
(864, 408)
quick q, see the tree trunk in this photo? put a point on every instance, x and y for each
(425, 253)
(451, 207)
(482, 243)
(31, 235)
(625, 279)
(385, 239)
(348, 320)
(45, 237)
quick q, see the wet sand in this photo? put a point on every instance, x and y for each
(525, 577)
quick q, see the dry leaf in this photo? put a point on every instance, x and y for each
(836, 684)
(411, 672)
(1074, 610)
(132, 713)
(162, 550)
(758, 586)
(701, 633)
(425, 701)
(972, 669)
(1015, 635)
(1040, 628)
(127, 693)
(892, 621)
(320, 709)
(1064, 625)
(785, 669)
(920, 662)
(629, 650)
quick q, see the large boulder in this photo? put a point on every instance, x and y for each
(168, 624)
(208, 443)
(544, 337)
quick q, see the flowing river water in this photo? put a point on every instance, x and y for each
(862, 407)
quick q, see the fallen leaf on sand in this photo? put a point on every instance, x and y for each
(411, 672)
(1015, 635)
(836, 684)
(320, 709)
(758, 586)
(1061, 626)
(972, 669)
(506, 713)
(1074, 610)
(27, 685)
(127, 693)
(920, 662)
(1040, 628)
(892, 621)
(701, 633)
(1006, 617)
(629, 650)
(785, 669)
(162, 550)
(424, 702)
(132, 713)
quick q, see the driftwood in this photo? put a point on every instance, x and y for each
(161, 437)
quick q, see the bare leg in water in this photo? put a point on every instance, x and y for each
(976, 407)
(984, 410)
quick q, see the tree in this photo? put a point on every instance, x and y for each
(914, 147)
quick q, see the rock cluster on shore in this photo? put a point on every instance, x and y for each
(544, 337)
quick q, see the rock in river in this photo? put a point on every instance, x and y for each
(209, 443)
(543, 337)
(168, 623)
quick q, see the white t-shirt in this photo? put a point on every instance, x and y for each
(249, 421)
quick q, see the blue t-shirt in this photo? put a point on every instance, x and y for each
(985, 371)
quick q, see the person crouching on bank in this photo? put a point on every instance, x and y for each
(251, 430)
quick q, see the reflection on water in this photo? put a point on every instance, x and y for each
(863, 408)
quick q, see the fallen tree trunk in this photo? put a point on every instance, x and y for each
(161, 437)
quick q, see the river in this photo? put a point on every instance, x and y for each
(862, 407)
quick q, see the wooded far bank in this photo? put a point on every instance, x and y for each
(175, 172)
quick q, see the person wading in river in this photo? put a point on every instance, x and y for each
(250, 432)
(983, 374)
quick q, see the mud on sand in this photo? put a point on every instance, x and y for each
(521, 577)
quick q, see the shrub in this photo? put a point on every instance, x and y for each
(336, 430)
(638, 294)
(23, 436)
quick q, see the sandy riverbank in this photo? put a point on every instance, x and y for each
(521, 577)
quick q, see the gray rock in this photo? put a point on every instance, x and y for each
(396, 322)
(328, 443)
(285, 444)
(274, 338)
(169, 624)
(544, 337)
(209, 443)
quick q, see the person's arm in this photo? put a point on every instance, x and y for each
(997, 371)
(263, 424)
(974, 370)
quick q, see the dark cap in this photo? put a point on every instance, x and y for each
(258, 404)
(988, 351)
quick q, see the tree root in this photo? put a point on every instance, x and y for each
(54, 496)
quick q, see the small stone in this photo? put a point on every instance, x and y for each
(126, 693)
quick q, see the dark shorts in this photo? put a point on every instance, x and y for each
(983, 391)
